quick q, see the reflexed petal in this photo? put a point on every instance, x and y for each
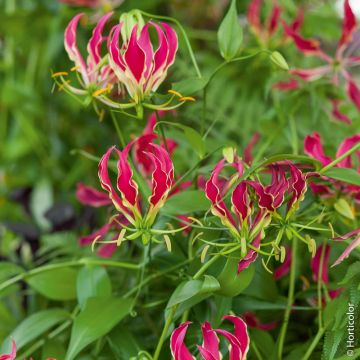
(146, 46)
(307, 46)
(298, 21)
(134, 56)
(235, 346)
(12, 355)
(297, 185)
(210, 344)
(178, 348)
(117, 61)
(349, 24)
(94, 45)
(252, 321)
(71, 46)
(311, 74)
(253, 15)
(248, 156)
(345, 146)
(106, 182)
(313, 147)
(274, 19)
(107, 250)
(125, 182)
(250, 256)
(266, 200)
(213, 193)
(315, 264)
(354, 93)
(337, 114)
(90, 196)
(291, 84)
(100, 233)
(240, 201)
(240, 333)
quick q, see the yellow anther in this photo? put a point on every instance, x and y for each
(99, 92)
(187, 98)
(175, 93)
(75, 68)
(59, 73)
(61, 87)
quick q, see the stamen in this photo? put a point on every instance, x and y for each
(99, 92)
(174, 92)
(75, 68)
(187, 98)
(203, 253)
(62, 86)
(167, 242)
(94, 242)
(59, 73)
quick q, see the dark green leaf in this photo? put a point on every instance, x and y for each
(99, 316)
(230, 34)
(347, 175)
(56, 284)
(92, 281)
(186, 202)
(35, 325)
(190, 86)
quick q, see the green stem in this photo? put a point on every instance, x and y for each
(74, 263)
(313, 344)
(290, 299)
(183, 32)
(118, 130)
(340, 158)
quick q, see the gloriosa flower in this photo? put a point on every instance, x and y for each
(336, 66)
(128, 203)
(245, 222)
(209, 350)
(136, 63)
(131, 65)
(264, 31)
(96, 76)
(314, 148)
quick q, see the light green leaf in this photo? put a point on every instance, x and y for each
(97, 319)
(92, 281)
(344, 208)
(56, 284)
(230, 33)
(35, 325)
(347, 175)
(186, 202)
(190, 86)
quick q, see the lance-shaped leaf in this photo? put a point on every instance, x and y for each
(230, 34)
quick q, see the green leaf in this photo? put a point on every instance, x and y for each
(230, 34)
(97, 319)
(186, 202)
(195, 140)
(92, 281)
(123, 343)
(191, 288)
(344, 208)
(347, 175)
(35, 325)
(56, 284)
(8, 270)
(185, 291)
(232, 283)
(190, 86)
